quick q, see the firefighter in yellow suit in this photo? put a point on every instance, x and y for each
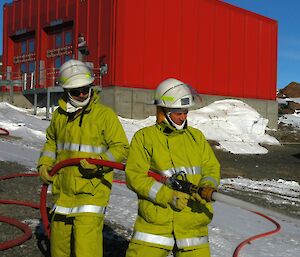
(168, 219)
(80, 127)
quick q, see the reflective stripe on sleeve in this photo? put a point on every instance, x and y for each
(211, 179)
(79, 209)
(81, 148)
(154, 189)
(110, 156)
(187, 170)
(155, 239)
(193, 241)
(49, 154)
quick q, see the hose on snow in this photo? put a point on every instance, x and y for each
(22, 226)
(119, 166)
(4, 132)
(57, 167)
(250, 207)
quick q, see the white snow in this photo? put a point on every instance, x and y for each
(235, 126)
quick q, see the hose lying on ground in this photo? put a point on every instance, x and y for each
(4, 132)
(120, 166)
(22, 226)
(250, 207)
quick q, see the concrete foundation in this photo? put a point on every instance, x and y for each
(135, 103)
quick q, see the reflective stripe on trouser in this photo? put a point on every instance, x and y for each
(78, 209)
(169, 241)
(139, 249)
(86, 233)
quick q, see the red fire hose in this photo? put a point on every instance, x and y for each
(115, 165)
(22, 226)
(250, 239)
(57, 167)
(19, 240)
(4, 132)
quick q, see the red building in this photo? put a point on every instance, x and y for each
(218, 48)
(221, 50)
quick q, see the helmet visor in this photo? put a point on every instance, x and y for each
(80, 90)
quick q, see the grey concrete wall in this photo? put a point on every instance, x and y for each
(134, 103)
(17, 99)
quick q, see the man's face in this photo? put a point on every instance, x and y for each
(81, 93)
(179, 117)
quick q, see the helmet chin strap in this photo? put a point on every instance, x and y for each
(79, 104)
(172, 123)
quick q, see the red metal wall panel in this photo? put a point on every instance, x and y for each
(206, 23)
(216, 47)
(237, 54)
(219, 48)
(152, 46)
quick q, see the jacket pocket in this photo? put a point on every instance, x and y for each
(84, 186)
(153, 213)
(198, 214)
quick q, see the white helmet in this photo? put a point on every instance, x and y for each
(74, 74)
(173, 93)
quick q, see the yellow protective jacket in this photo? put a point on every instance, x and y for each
(165, 150)
(95, 131)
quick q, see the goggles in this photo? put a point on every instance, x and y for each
(80, 90)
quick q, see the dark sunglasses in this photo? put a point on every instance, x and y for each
(81, 90)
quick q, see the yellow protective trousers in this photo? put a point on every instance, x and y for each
(76, 236)
(141, 250)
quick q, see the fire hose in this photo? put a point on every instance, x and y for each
(22, 226)
(4, 132)
(183, 185)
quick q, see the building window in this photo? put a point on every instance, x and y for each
(31, 46)
(68, 57)
(58, 40)
(31, 67)
(23, 47)
(57, 62)
(23, 68)
(68, 38)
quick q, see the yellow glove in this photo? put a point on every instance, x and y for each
(179, 200)
(44, 174)
(205, 193)
(91, 168)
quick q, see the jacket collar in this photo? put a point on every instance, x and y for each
(168, 129)
(62, 102)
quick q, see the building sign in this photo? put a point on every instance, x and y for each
(21, 31)
(59, 51)
(24, 58)
(56, 22)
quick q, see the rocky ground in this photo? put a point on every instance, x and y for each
(281, 162)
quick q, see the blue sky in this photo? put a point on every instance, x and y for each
(286, 12)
